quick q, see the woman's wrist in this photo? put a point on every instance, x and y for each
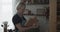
(29, 27)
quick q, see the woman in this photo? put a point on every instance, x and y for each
(19, 20)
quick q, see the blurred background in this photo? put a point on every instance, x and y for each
(8, 9)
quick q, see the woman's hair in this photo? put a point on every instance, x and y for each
(20, 5)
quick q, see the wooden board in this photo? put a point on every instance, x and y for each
(31, 21)
(53, 15)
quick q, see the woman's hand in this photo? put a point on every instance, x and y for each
(35, 26)
(25, 29)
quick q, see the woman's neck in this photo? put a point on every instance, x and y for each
(20, 15)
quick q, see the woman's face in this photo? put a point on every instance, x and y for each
(21, 10)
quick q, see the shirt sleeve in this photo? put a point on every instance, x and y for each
(15, 20)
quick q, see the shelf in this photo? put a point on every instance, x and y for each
(58, 30)
(58, 2)
(58, 16)
(58, 11)
(58, 22)
(33, 2)
(35, 14)
(37, 4)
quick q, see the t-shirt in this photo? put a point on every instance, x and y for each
(16, 19)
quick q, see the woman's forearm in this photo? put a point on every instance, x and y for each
(28, 27)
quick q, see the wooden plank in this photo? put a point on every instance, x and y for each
(52, 17)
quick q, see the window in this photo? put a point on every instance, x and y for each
(6, 13)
